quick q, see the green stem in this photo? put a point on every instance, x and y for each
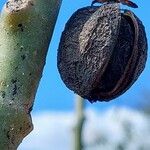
(26, 28)
(78, 145)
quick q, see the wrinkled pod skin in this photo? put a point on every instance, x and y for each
(102, 52)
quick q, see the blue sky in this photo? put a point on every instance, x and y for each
(52, 94)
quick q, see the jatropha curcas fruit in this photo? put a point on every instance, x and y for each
(102, 52)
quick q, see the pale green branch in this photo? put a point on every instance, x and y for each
(26, 28)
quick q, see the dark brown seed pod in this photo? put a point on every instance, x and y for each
(102, 52)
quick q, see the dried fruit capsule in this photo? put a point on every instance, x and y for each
(102, 52)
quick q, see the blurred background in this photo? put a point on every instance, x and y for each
(122, 124)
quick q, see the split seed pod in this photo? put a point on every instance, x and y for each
(102, 52)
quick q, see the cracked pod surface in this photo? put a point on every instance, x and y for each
(102, 52)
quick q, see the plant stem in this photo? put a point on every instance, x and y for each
(78, 144)
(26, 27)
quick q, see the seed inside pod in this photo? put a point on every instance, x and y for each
(102, 52)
